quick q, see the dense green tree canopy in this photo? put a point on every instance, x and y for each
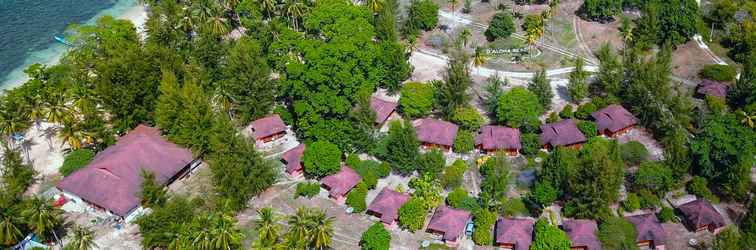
(549, 237)
(416, 99)
(501, 26)
(519, 108)
(321, 158)
(376, 238)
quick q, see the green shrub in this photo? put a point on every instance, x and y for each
(376, 237)
(648, 199)
(501, 26)
(76, 160)
(416, 99)
(412, 215)
(567, 112)
(422, 15)
(454, 175)
(459, 198)
(484, 222)
(544, 193)
(514, 207)
(356, 197)
(464, 142)
(716, 72)
(353, 160)
(553, 117)
(531, 144)
(384, 169)
(284, 113)
(633, 152)
(585, 110)
(588, 128)
(322, 158)
(308, 189)
(655, 177)
(699, 187)
(666, 215)
(631, 203)
(369, 170)
(468, 118)
(716, 104)
(431, 162)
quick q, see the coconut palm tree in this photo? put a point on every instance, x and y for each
(219, 25)
(56, 109)
(267, 227)
(9, 232)
(480, 57)
(295, 10)
(224, 234)
(321, 230)
(374, 5)
(10, 123)
(747, 119)
(269, 7)
(72, 135)
(465, 36)
(298, 228)
(82, 238)
(41, 216)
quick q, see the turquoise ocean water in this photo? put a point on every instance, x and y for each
(27, 28)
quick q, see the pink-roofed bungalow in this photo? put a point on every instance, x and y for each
(383, 109)
(268, 128)
(700, 215)
(514, 233)
(293, 161)
(712, 88)
(386, 206)
(111, 182)
(582, 234)
(650, 231)
(339, 184)
(614, 120)
(492, 139)
(562, 133)
(449, 223)
(434, 133)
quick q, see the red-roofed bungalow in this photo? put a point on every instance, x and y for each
(582, 234)
(382, 108)
(614, 120)
(268, 128)
(492, 139)
(434, 133)
(449, 223)
(713, 88)
(339, 184)
(650, 231)
(700, 215)
(562, 133)
(111, 182)
(293, 161)
(386, 206)
(514, 233)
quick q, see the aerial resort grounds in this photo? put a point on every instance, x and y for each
(389, 124)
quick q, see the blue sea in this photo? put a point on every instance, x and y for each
(27, 28)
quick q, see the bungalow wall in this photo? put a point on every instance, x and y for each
(272, 137)
(444, 148)
(618, 132)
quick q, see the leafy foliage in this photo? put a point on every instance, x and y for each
(531, 144)
(75, 160)
(501, 26)
(356, 197)
(484, 222)
(402, 147)
(464, 142)
(454, 174)
(422, 15)
(451, 93)
(307, 189)
(152, 192)
(654, 177)
(633, 152)
(549, 237)
(599, 161)
(541, 86)
(588, 128)
(519, 108)
(716, 72)
(578, 84)
(666, 215)
(431, 163)
(467, 117)
(376, 237)
(699, 187)
(617, 233)
(495, 183)
(412, 215)
(416, 99)
(321, 158)
(600, 10)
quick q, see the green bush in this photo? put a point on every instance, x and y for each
(501, 26)
(284, 113)
(322, 158)
(308, 189)
(544, 193)
(519, 108)
(353, 160)
(416, 99)
(468, 118)
(431, 162)
(454, 175)
(422, 15)
(655, 177)
(631, 203)
(588, 128)
(585, 110)
(531, 144)
(356, 197)
(412, 215)
(716, 104)
(514, 207)
(633, 152)
(648, 199)
(376, 237)
(553, 117)
(459, 198)
(464, 142)
(369, 170)
(699, 187)
(716, 72)
(76, 160)
(484, 222)
(567, 112)
(666, 215)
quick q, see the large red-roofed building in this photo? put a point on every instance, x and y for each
(386, 206)
(434, 133)
(700, 215)
(713, 88)
(582, 234)
(562, 133)
(293, 161)
(514, 233)
(492, 139)
(614, 120)
(339, 184)
(268, 128)
(111, 182)
(450, 223)
(650, 231)
(382, 108)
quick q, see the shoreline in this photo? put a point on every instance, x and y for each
(125, 9)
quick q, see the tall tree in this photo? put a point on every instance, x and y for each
(267, 227)
(321, 230)
(247, 81)
(402, 147)
(452, 92)
(578, 85)
(41, 216)
(549, 237)
(519, 108)
(599, 161)
(82, 238)
(610, 75)
(541, 87)
(600, 10)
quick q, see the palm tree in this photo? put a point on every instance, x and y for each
(72, 135)
(82, 238)
(321, 230)
(480, 57)
(10, 123)
(294, 10)
(41, 216)
(56, 109)
(9, 232)
(269, 7)
(374, 5)
(298, 228)
(219, 25)
(224, 234)
(267, 227)
(747, 119)
(465, 36)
